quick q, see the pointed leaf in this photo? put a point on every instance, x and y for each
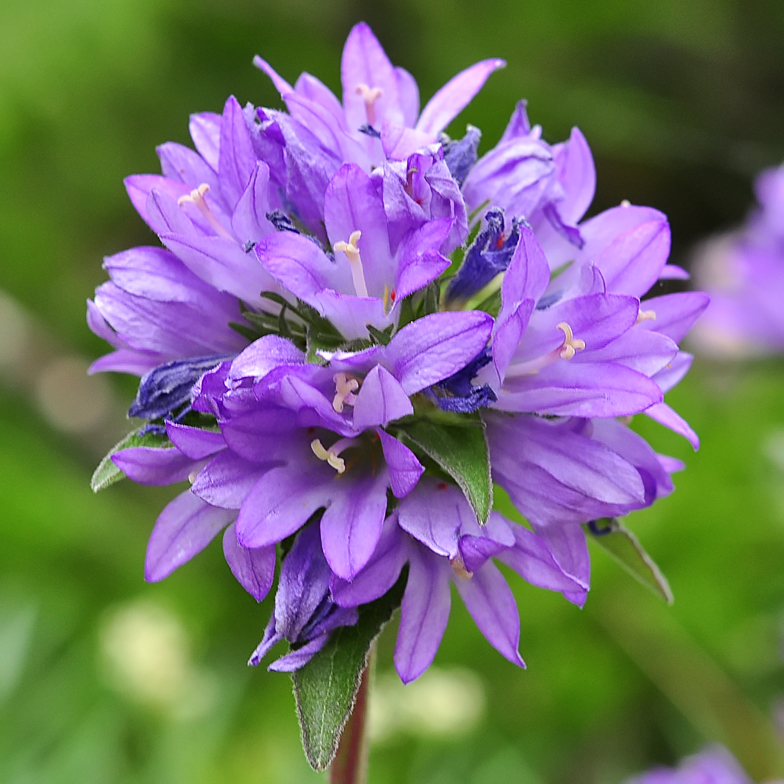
(326, 687)
(108, 473)
(462, 452)
(622, 545)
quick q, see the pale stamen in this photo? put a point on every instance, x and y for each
(196, 197)
(331, 455)
(570, 345)
(566, 350)
(369, 95)
(344, 391)
(458, 565)
(646, 315)
(355, 260)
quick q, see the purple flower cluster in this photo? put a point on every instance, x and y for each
(713, 766)
(355, 326)
(744, 272)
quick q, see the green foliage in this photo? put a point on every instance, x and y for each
(326, 687)
(617, 540)
(461, 450)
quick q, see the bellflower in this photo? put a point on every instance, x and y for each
(744, 272)
(379, 117)
(435, 533)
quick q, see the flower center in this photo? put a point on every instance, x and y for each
(646, 315)
(345, 388)
(351, 250)
(566, 350)
(369, 95)
(570, 344)
(196, 197)
(331, 455)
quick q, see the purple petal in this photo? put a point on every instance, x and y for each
(149, 466)
(434, 515)
(254, 569)
(633, 261)
(364, 62)
(139, 187)
(380, 573)
(490, 602)
(316, 91)
(436, 346)
(205, 131)
(569, 549)
(645, 351)
(424, 614)
(408, 94)
(261, 436)
(299, 657)
(580, 389)
(454, 96)
(380, 400)
(404, 468)
(282, 501)
(281, 85)
(236, 160)
(183, 164)
(227, 479)
(222, 263)
(419, 259)
(194, 442)
(249, 219)
(270, 639)
(577, 174)
(303, 584)
(183, 529)
(352, 203)
(265, 355)
(301, 266)
(351, 525)
(664, 415)
(675, 313)
(532, 559)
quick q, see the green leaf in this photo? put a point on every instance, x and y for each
(625, 548)
(107, 472)
(326, 688)
(461, 450)
(381, 337)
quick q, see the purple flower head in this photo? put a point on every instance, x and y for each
(744, 273)
(713, 766)
(300, 437)
(435, 532)
(338, 378)
(379, 117)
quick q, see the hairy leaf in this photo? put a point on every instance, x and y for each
(326, 688)
(107, 472)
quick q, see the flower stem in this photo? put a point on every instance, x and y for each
(351, 762)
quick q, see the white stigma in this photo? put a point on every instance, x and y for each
(626, 203)
(196, 197)
(570, 345)
(344, 391)
(331, 455)
(351, 250)
(369, 95)
(646, 315)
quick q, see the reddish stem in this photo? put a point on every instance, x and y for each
(351, 762)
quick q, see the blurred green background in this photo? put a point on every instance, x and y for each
(104, 678)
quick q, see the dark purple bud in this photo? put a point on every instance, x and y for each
(167, 387)
(490, 253)
(458, 394)
(281, 221)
